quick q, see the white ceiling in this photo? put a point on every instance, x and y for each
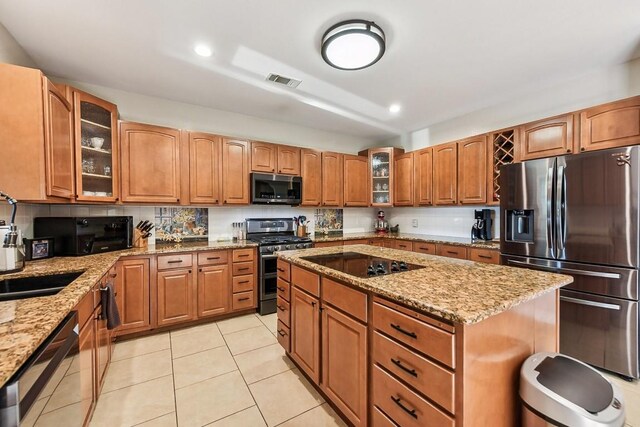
(444, 58)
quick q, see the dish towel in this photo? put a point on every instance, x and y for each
(109, 306)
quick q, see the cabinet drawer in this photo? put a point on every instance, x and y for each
(305, 280)
(403, 245)
(213, 258)
(344, 298)
(452, 251)
(242, 268)
(424, 248)
(243, 300)
(174, 261)
(243, 254)
(379, 419)
(419, 335)
(326, 244)
(243, 283)
(284, 311)
(356, 242)
(284, 289)
(484, 255)
(284, 270)
(284, 336)
(403, 406)
(431, 380)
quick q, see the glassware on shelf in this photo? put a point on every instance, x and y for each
(89, 165)
(107, 170)
(385, 186)
(378, 187)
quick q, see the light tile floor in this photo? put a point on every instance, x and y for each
(631, 392)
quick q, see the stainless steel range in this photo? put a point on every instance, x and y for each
(272, 235)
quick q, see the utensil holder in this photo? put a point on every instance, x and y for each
(301, 231)
(138, 240)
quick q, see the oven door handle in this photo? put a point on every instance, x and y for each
(272, 256)
(590, 303)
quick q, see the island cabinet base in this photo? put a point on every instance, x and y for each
(381, 363)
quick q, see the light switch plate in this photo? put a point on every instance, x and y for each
(414, 223)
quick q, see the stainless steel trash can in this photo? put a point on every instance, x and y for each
(559, 390)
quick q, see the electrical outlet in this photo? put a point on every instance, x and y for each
(414, 223)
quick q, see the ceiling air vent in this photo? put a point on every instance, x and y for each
(287, 81)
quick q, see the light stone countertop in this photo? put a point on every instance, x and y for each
(448, 240)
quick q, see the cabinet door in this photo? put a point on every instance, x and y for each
(235, 172)
(616, 124)
(103, 347)
(445, 174)
(332, 179)
(356, 180)
(288, 160)
(150, 159)
(305, 332)
(547, 138)
(205, 161)
(214, 290)
(132, 294)
(403, 181)
(344, 364)
(472, 170)
(175, 297)
(86, 360)
(311, 172)
(263, 157)
(423, 177)
(58, 139)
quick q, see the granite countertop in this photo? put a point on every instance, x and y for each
(449, 240)
(457, 290)
(24, 324)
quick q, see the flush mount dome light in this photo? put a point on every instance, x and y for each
(353, 44)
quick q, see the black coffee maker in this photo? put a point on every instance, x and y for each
(483, 227)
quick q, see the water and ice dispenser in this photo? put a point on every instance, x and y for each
(520, 225)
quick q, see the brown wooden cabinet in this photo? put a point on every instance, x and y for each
(263, 157)
(132, 294)
(176, 296)
(103, 346)
(305, 332)
(332, 179)
(205, 165)
(550, 137)
(381, 174)
(445, 174)
(235, 172)
(214, 290)
(288, 160)
(423, 177)
(403, 183)
(356, 181)
(502, 151)
(86, 359)
(472, 170)
(311, 172)
(616, 124)
(150, 160)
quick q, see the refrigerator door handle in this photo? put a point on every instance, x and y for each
(590, 303)
(561, 208)
(550, 244)
(567, 270)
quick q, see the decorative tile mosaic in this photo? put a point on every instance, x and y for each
(177, 224)
(328, 221)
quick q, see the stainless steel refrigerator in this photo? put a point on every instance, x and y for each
(578, 215)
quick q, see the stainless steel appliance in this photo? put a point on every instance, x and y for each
(276, 189)
(11, 247)
(362, 265)
(578, 215)
(86, 235)
(49, 363)
(272, 235)
(483, 226)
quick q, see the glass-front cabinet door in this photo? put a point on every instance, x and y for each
(381, 161)
(96, 148)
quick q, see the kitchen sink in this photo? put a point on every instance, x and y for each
(37, 286)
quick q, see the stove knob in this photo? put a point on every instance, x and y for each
(380, 269)
(287, 247)
(403, 265)
(299, 246)
(395, 266)
(371, 271)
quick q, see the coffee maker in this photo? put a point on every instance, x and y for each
(483, 227)
(11, 247)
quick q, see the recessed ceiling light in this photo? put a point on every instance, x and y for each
(394, 108)
(353, 44)
(202, 50)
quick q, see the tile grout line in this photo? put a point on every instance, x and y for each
(230, 415)
(143, 354)
(133, 385)
(206, 379)
(299, 415)
(173, 380)
(253, 349)
(197, 352)
(155, 418)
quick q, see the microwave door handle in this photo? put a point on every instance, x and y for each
(550, 174)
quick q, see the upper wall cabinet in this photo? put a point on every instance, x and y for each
(150, 159)
(235, 171)
(445, 174)
(356, 181)
(311, 172)
(288, 160)
(205, 164)
(423, 177)
(472, 170)
(403, 180)
(332, 179)
(381, 161)
(615, 124)
(502, 151)
(96, 139)
(263, 157)
(36, 127)
(547, 138)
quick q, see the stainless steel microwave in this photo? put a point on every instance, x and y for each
(275, 189)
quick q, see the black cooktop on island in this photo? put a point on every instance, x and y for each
(361, 265)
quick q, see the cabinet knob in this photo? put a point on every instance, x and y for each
(215, 201)
(200, 270)
(117, 198)
(582, 149)
(178, 200)
(273, 169)
(189, 271)
(568, 150)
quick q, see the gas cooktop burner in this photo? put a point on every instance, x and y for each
(362, 265)
(278, 240)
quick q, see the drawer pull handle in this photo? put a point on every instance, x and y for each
(398, 402)
(281, 308)
(404, 368)
(281, 332)
(174, 261)
(484, 256)
(281, 270)
(244, 281)
(244, 299)
(407, 333)
(243, 255)
(211, 258)
(452, 252)
(280, 289)
(243, 269)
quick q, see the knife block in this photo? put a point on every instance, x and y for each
(139, 241)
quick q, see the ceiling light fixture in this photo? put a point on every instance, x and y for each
(202, 50)
(394, 108)
(353, 44)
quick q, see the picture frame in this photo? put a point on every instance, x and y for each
(37, 249)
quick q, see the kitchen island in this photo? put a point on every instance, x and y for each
(438, 344)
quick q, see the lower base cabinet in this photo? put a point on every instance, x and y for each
(176, 296)
(305, 332)
(214, 289)
(133, 294)
(86, 358)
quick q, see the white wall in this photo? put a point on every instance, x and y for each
(451, 221)
(11, 52)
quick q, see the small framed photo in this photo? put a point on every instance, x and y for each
(39, 248)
